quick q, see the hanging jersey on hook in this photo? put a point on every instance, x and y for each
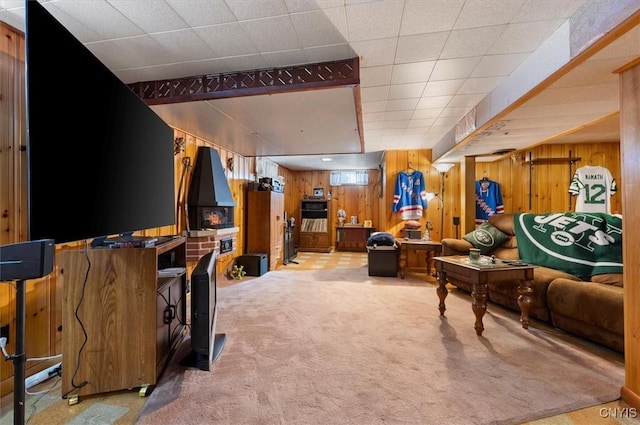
(410, 196)
(488, 200)
(593, 185)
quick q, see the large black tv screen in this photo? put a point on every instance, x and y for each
(99, 160)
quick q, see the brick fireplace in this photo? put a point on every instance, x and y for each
(201, 242)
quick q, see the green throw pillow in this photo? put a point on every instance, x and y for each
(486, 237)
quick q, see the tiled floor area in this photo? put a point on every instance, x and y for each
(46, 406)
(333, 260)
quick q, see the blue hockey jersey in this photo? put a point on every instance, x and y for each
(488, 200)
(410, 196)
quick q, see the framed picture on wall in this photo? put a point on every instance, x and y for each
(318, 192)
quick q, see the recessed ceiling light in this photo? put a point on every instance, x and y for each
(326, 159)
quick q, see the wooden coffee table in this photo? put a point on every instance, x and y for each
(479, 275)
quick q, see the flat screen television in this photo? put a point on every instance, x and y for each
(206, 344)
(99, 160)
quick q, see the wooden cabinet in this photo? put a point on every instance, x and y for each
(314, 226)
(120, 321)
(352, 238)
(265, 225)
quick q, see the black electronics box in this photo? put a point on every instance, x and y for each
(254, 264)
(383, 261)
(412, 234)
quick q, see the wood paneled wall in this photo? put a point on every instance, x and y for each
(543, 187)
(361, 201)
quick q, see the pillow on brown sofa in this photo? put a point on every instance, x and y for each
(486, 237)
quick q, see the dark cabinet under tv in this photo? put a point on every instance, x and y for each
(133, 319)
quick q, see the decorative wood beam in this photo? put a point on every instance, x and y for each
(250, 83)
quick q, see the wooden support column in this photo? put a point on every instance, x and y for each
(468, 195)
(630, 155)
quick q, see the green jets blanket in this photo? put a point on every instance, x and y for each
(583, 244)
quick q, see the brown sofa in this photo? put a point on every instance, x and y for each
(591, 309)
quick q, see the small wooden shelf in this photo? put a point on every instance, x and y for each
(540, 161)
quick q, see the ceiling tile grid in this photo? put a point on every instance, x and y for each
(424, 64)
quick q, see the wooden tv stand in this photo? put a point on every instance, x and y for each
(133, 319)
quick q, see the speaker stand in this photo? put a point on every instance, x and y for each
(19, 358)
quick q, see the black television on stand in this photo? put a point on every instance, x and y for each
(100, 161)
(206, 344)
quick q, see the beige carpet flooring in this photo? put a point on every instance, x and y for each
(45, 406)
(341, 347)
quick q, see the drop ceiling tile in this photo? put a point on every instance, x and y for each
(150, 15)
(412, 72)
(540, 10)
(452, 69)
(373, 127)
(199, 13)
(417, 127)
(420, 48)
(375, 52)
(398, 115)
(597, 93)
(469, 100)
(421, 17)
(393, 131)
(406, 91)
(375, 76)
(73, 15)
(480, 85)
(129, 53)
(338, 18)
(183, 46)
(372, 94)
(270, 34)
(443, 88)
(434, 102)
(524, 37)
(454, 111)
(243, 9)
(427, 113)
(285, 57)
(373, 117)
(328, 53)
(471, 42)
(498, 65)
(227, 39)
(402, 104)
(372, 21)
(314, 29)
(489, 12)
(369, 107)
(245, 62)
(422, 123)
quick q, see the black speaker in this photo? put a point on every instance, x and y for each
(456, 221)
(26, 260)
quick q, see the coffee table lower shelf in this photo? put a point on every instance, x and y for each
(479, 275)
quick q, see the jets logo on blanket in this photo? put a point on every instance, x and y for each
(583, 244)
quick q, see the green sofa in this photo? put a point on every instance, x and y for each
(591, 309)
